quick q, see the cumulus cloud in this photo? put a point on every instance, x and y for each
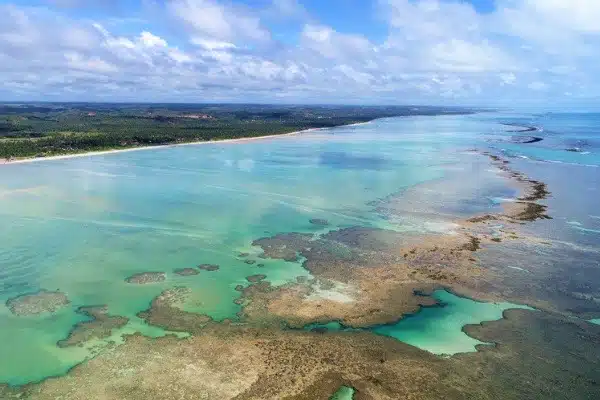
(211, 20)
(433, 51)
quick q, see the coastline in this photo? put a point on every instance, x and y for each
(165, 146)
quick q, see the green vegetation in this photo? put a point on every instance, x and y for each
(40, 130)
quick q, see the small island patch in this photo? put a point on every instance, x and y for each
(99, 327)
(319, 221)
(208, 267)
(255, 278)
(41, 302)
(146, 277)
(186, 271)
(166, 312)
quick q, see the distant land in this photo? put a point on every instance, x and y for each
(29, 130)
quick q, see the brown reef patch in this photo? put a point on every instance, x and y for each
(277, 246)
(526, 208)
(389, 274)
(145, 278)
(186, 272)
(208, 267)
(40, 302)
(226, 361)
(365, 277)
(165, 312)
(101, 326)
(255, 278)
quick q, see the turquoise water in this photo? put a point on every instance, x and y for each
(83, 225)
(344, 393)
(439, 329)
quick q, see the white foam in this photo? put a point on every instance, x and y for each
(517, 268)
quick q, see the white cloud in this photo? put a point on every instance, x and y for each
(150, 40)
(212, 44)
(333, 45)
(216, 49)
(211, 20)
(93, 64)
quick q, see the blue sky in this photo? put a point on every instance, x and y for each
(463, 52)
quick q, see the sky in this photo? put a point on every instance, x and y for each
(442, 52)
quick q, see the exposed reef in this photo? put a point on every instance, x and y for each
(526, 139)
(276, 246)
(527, 207)
(319, 221)
(40, 302)
(224, 361)
(522, 128)
(166, 312)
(186, 271)
(146, 278)
(255, 278)
(208, 267)
(366, 276)
(101, 326)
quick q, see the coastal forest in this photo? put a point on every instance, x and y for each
(47, 129)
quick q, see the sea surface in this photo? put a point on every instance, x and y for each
(83, 225)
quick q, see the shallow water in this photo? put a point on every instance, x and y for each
(83, 225)
(438, 329)
(344, 393)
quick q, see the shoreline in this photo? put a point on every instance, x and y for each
(166, 146)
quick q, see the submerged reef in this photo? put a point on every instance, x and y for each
(208, 267)
(40, 302)
(186, 272)
(146, 277)
(101, 326)
(166, 312)
(225, 361)
(255, 278)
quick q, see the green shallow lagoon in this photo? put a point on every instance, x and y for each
(83, 225)
(343, 393)
(438, 329)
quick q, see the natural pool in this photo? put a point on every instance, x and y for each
(438, 329)
(344, 393)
